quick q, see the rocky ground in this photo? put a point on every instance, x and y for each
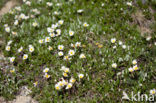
(10, 4)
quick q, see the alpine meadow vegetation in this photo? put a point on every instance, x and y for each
(78, 50)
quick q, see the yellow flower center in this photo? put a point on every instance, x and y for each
(66, 57)
(66, 70)
(85, 24)
(73, 80)
(136, 68)
(47, 76)
(65, 74)
(61, 84)
(113, 41)
(36, 83)
(57, 87)
(153, 92)
(69, 86)
(81, 76)
(25, 57)
(12, 71)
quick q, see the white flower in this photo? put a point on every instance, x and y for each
(72, 45)
(131, 69)
(26, 17)
(71, 52)
(64, 82)
(28, 3)
(129, 3)
(120, 42)
(25, 56)
(71, 33)
(58, 32)
(7, 29)
(52, 34)
(153, 91)
(18, 8)
(69, 85)
(32, 16)
(22, 16)
(148, 38)
(35, 24)
(20, 49)
(60, 47)
(14, 33)
(66, 70)
(114, 65)
(134, 62)
(54, 26)
(16, 22)
(66, 58)
(72, 80)
(80, 11)
(113, 40)
(82, 56)
(135, 67)
(41, 41)
(57, 87)
(46, 75)
(46, 70)
(124, 46)
(50, 30)
(31, 48)
(58, 4)
(65, 74)
(102, 4)
(60, 83)
(85, 24)
(81, 76)
(36, 11)
(9, 42)
(50, 48)
(56, 13)
(114, 47)
(7, 48)
(49, 3)
(78, 44)
(12, 59)
(60, 22)
(60, 53)
(5, 25)
(47, 39)
(63, 68)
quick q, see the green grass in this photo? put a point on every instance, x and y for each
(101, 82)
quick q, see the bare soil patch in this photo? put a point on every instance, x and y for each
(10, 4)
(144, 25)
